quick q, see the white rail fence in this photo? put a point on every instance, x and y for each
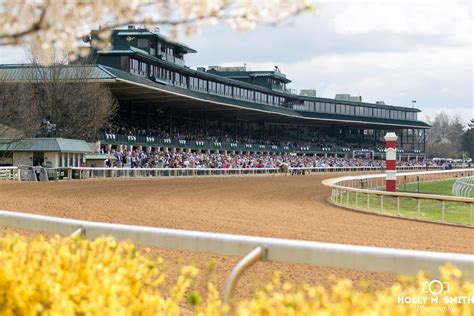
(33, 173)
(365, 258)
(463, 187)
(9, 173)
(366, 193)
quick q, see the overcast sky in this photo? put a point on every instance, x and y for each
(395, 51)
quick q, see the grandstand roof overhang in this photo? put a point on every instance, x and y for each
(141, 90)
(184, 100)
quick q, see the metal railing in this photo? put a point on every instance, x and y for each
(19, 173)
(464, 187)
(9, 173)
(365, 258)
(93, 173)
(364, 193)
(185, 144)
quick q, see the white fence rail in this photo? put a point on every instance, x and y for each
(9, 173)
(365, 193)
(363, 258)
(463, 187)
(29, 173)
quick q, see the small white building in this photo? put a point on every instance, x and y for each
(47, 152)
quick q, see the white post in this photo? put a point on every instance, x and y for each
(398, 205)
(418, 213)
(442, 211)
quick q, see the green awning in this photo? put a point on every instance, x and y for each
(45, 145)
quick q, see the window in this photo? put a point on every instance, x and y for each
(367, 111)
(244, 93)
(236, 92)
(133, 65)
(260, 97)
(202, 85)
(143, 43)
(152, 70)
(228, 90)
(177, 78)
(220, 88)
(332, 108)
(249, 95)
(412, 116)
(193, 83)
(125, 63)
(318, 107)
(349, 110)
(212, 87)
(138, 67)
(306, 105)
(153, 48)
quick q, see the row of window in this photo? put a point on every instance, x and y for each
(234, 92)
(346, 109)
(197, 84)
(138, 67)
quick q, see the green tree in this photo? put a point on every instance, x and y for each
(468, 141)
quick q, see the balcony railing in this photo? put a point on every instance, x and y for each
(154, 141)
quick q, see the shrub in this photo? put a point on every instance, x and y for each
(76, 276)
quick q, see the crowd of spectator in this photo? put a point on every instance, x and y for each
(213, 135)
(141, 159)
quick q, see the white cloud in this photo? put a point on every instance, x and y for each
(436, 17)
(397, 77)
(12, 55)
(391, 50)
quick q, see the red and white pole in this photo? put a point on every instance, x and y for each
(390, 162)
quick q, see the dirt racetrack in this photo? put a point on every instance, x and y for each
(272, 206)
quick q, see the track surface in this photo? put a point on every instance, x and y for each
(271, 206)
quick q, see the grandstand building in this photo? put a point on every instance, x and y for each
(166, 105)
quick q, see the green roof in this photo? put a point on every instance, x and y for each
(70, 72)
(147, 33)
(251, 74)
(46, 145)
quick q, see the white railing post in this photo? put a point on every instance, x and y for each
(442, 211)
(398, 205)
(418, 211)
(250, 259)
(470, 213)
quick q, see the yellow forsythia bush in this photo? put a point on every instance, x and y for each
(67, 276)
(343, 298)
(74, 276)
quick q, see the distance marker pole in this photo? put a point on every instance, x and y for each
(390, 162)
